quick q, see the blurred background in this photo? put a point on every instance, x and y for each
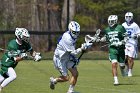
(46, 21)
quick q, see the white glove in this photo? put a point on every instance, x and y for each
(98, 39)
(23, 55)
(134, 36)
(84, 46)
(37, 57)
(93, 39)
(103, 39)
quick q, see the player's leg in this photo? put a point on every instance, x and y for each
(73, 79)
(114, 72)
(121, 60)
(130, 66)
(132, 52)
(12, 76)
(1, 79)
(113, 60)
(60, 65)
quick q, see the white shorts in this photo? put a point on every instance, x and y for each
(63, 65)
(131, 50)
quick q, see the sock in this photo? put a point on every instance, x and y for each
(130, 71)
(71, 88)
(115, 78)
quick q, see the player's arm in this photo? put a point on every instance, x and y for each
(36, 55)
(70, 47)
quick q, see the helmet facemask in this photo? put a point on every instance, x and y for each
(129, 17)
(74, 34)
(74, 29)
(22, 34)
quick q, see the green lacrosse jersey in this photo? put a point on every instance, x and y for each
(114, 35)
(13, 50)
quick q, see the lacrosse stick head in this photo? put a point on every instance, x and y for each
(88, 38)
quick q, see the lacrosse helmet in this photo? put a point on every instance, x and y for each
(74, 29)
(129, 17)
(22, 34)
(112, 20)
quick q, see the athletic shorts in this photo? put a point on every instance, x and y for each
(63, 65)
(116, 55)
(131, 50)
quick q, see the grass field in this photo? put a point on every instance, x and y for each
(94, 77)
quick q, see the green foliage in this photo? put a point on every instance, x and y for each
(99, 10)
(84, 20)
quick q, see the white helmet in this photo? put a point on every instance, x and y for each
(112, 20)
(22, 34)
(129, 17)
(74, 29)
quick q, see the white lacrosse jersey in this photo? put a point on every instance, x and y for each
(65, 45)
(131, 30)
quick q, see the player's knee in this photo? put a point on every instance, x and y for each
(13, 77)
(65, 78)
(122, 65)
(75, 74)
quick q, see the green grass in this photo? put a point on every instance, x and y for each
(94, 77)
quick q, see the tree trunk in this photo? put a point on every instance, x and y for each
(72, 5)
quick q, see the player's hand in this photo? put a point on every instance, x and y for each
(23, 55)
(134, 36)
(84, 46)
(37, 57)
(98, 39)
(103, 39)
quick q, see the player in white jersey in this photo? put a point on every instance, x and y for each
(131, 48)
(65, 57)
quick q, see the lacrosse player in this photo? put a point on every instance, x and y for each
(131, 49)
(114, 35)
(65, 57)
(16, 51)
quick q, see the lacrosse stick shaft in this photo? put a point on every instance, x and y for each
(81, 55)
(8, 51)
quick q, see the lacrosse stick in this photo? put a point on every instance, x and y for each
(6, 50)
(89, 39)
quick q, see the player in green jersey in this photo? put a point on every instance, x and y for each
(115, 36)
(16, 51)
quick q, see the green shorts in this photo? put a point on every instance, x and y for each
(116, 55)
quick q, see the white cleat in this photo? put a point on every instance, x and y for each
(70, 92)
(52, 84)
(129, 74)
(116, 83)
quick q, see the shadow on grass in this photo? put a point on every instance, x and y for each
(128, 84)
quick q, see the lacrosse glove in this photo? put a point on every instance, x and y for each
(37, 57)
(84, 46)
(23, 55)
(74, 59)
(134, 36)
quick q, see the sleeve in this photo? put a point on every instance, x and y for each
(29, 48)
(12, 51)
(137, 30)
(123, 30)
(69, 45)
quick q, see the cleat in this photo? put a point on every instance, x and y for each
(129, 74)
(52, 84)
(70, 92)
(116, 83)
